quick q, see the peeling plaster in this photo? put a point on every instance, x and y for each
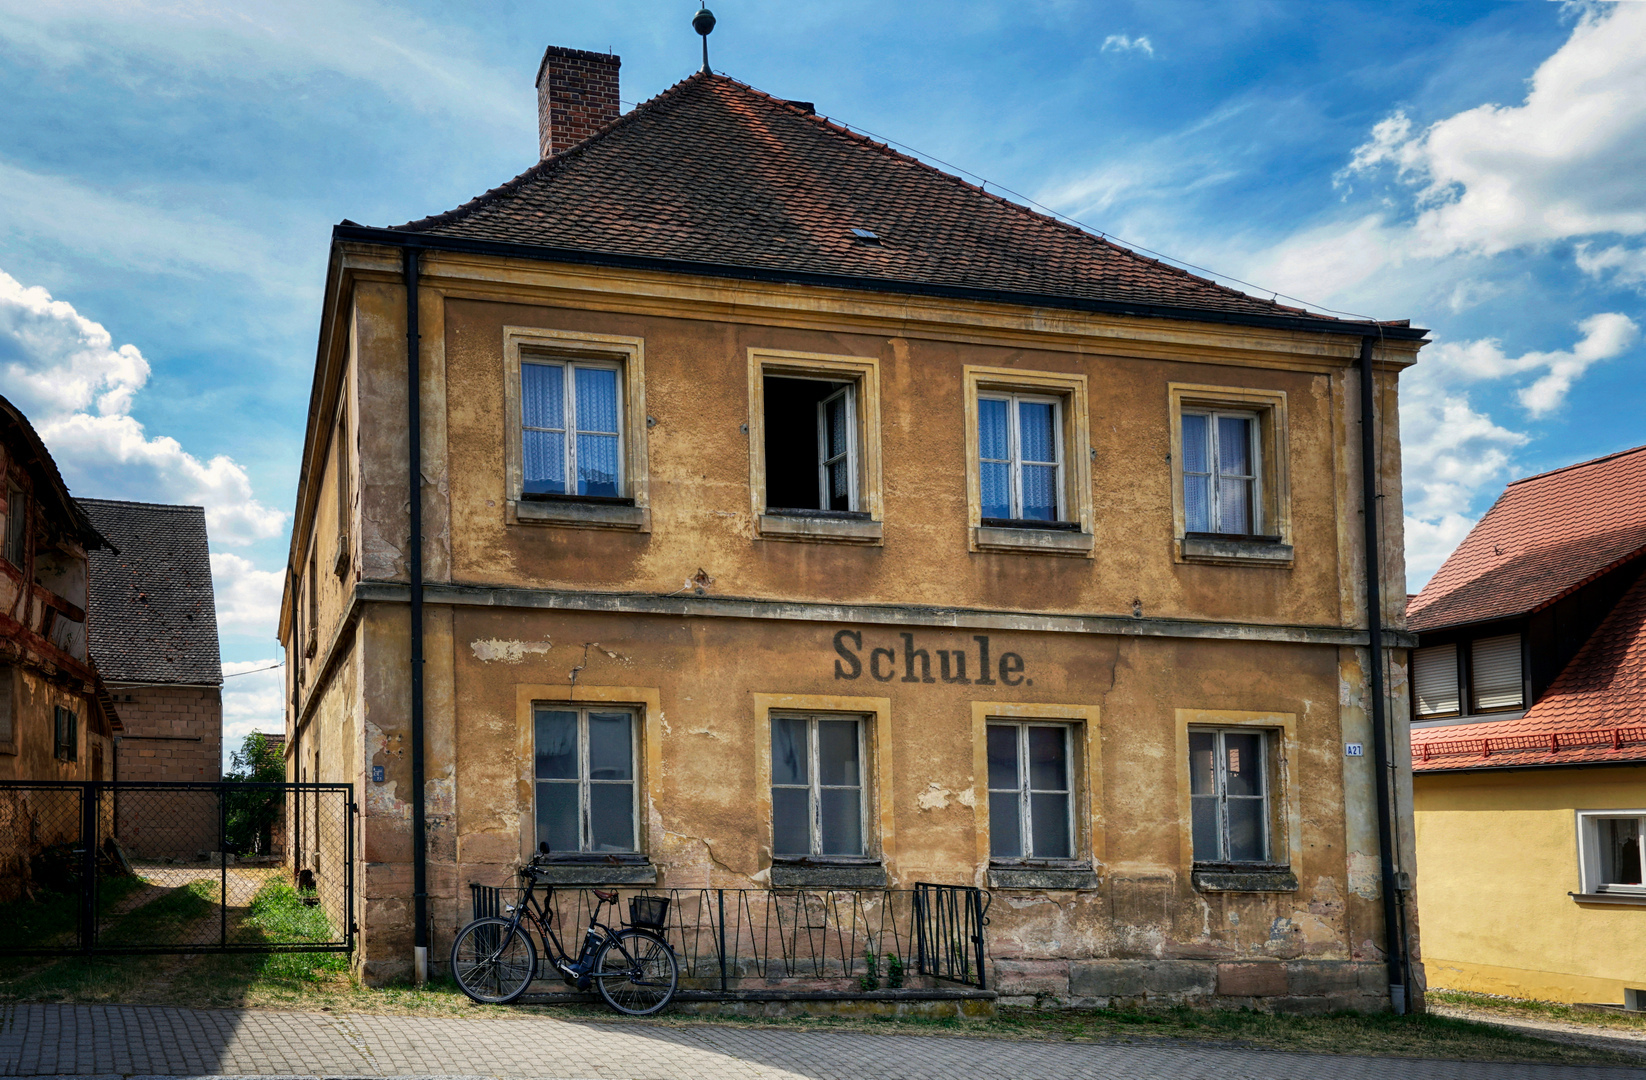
(937, 798)
(1364, 875)
(491, 650)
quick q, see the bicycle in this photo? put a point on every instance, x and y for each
(635, 970)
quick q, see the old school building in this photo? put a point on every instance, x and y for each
(731, 500)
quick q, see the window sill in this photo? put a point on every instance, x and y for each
(8, 748)
(1621, 898)
(581, 515)
(1232, 552)
(1042, 877)
(1470, 718)
(828, 876)
(1245, 881)
(1032, 541)
(828, 530)
(597, 873)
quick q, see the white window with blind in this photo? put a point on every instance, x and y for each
(1020, 457)
(1494, 673)
(1434, 681)
(1469, 678)
(1612, 851)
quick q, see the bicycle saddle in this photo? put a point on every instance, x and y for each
(606, 897)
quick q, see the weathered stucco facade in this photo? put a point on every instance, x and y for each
(931, 614)
(706, 626)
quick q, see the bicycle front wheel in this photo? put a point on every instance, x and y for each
(636, 972)
(492, 961)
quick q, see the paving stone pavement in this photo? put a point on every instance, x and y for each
(136, 1041)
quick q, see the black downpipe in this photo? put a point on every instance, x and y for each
(414, 467)
(1394, 937)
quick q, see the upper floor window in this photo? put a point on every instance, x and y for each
(1020, 457)
(17, 517)
(812, 459)
(1483, 673)
(1222, 473)
(584, 771)
(1229, 794)
(1230, 475)
(1031, 791)
(571, 428)
(818, 796)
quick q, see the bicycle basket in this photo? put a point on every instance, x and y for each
(649, 912)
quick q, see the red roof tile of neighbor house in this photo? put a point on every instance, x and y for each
(715, 172)
(1545, 536)
(1595, 711)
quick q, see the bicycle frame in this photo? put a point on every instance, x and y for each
(554, 952)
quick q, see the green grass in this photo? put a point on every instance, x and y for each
(1525, 1009)
(278, 913)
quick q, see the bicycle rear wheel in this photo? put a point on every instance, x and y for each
(636, 972)
(493, 962)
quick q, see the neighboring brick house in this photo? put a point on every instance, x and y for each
(154, 634)
(1529, 740)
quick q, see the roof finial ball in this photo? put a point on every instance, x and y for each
(703, 23)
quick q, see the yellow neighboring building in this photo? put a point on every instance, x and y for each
(1529, 742)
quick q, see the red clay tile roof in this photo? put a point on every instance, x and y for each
(1594, 712)
(715, 172)
(1545, 536)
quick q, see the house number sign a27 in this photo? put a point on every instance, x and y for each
(911, 663)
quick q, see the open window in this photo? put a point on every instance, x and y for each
(814, 447)
(812, 460)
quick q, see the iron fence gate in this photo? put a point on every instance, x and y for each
(864, 938)
(176, 867)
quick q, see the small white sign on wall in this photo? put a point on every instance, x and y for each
(1354, 749)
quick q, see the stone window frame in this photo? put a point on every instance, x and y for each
(1285, 810)
(628, 354)
(1070, 388)
(597, 869)
(877, 867)
(1274, 483)
(1079, 872)
(1591, 890)
(864, 373)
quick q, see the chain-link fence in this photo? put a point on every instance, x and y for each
(178, 868)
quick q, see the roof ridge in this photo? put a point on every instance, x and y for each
(843, 129)
(136, 502)
(548, 164)
(1576, 465)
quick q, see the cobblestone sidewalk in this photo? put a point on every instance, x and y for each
(124, 1040)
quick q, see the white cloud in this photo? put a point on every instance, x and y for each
(1565, 163)
(253, 700)
(1122, 43)
(1625, 265)
(1605, 336)
(247, 598)
(77, 388)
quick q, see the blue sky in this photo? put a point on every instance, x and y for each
(169, 172)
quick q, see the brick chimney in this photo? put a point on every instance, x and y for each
(576, 96)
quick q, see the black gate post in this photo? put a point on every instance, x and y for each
(88, 866)
(977, 938)
(722, 893)
(920, 928)
(223, 862)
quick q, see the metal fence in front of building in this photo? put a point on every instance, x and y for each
(104, 867)
(846, 939)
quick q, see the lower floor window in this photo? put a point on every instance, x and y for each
(1229, 794)
(1031, 804)
(817, 786)
(584, 766)
(1613, 852)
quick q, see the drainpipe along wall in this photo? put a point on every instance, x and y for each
(414, 472)
(1394, 936)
